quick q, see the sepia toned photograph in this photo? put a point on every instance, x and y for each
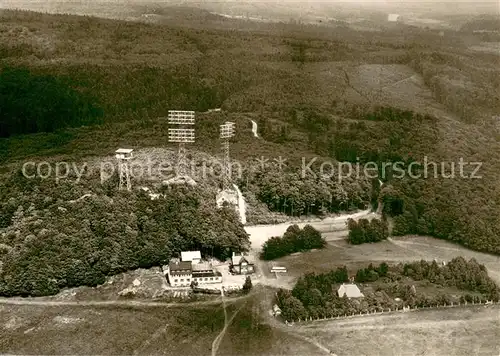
(249, 177)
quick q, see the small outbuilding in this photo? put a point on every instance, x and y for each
(124, 153)
(276, 310)
(242, 264)
(191, 256)
(393, 17)
(349, 290)
(227, 196)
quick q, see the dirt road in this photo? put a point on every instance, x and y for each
(254, 129)
(453, 331)
(241, 205)
(227, 323)
(334, 228)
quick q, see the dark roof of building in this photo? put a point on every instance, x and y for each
(184, 267)
(202, 266)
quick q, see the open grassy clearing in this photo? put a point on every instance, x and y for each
(459, 332)
(78, 330)
(396, 85)
(186, 330)
(247, 335)
(109, 330)
(410, 248)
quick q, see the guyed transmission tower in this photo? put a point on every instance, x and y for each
(226, 132)
(124, 155)
(181, 135)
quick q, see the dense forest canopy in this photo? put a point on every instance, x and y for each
(53, 242)
(31, 103)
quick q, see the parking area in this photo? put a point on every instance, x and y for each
(231, 281)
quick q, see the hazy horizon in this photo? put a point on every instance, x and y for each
(294, 8)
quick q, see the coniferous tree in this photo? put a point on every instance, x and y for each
(247, 286)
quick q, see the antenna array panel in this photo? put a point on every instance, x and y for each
(179, 117)
(227, 130)
(181, 135)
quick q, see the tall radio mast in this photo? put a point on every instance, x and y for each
(226, 132)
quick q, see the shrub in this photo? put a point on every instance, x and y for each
(293, 240)
(364, 231)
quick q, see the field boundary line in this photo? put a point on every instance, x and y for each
(393, 311)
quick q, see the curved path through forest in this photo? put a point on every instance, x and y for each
(242, 210)
(254, 129)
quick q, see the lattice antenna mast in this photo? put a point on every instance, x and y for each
(227, 130)
(181, 135)
(124, 155)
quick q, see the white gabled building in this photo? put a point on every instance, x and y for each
(349, 290)
(124, 153)
(180, 274)
(191, 269)
(242, 264)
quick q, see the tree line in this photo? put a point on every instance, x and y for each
(384, 135)
(315, 295)
(293, 240)
(365, 230)
(47, 100)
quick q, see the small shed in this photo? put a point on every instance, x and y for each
(393, 17)
(226, 196)
(124, 153)
(276, 310)
(278, 269)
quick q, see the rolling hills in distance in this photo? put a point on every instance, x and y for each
(331, 81)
